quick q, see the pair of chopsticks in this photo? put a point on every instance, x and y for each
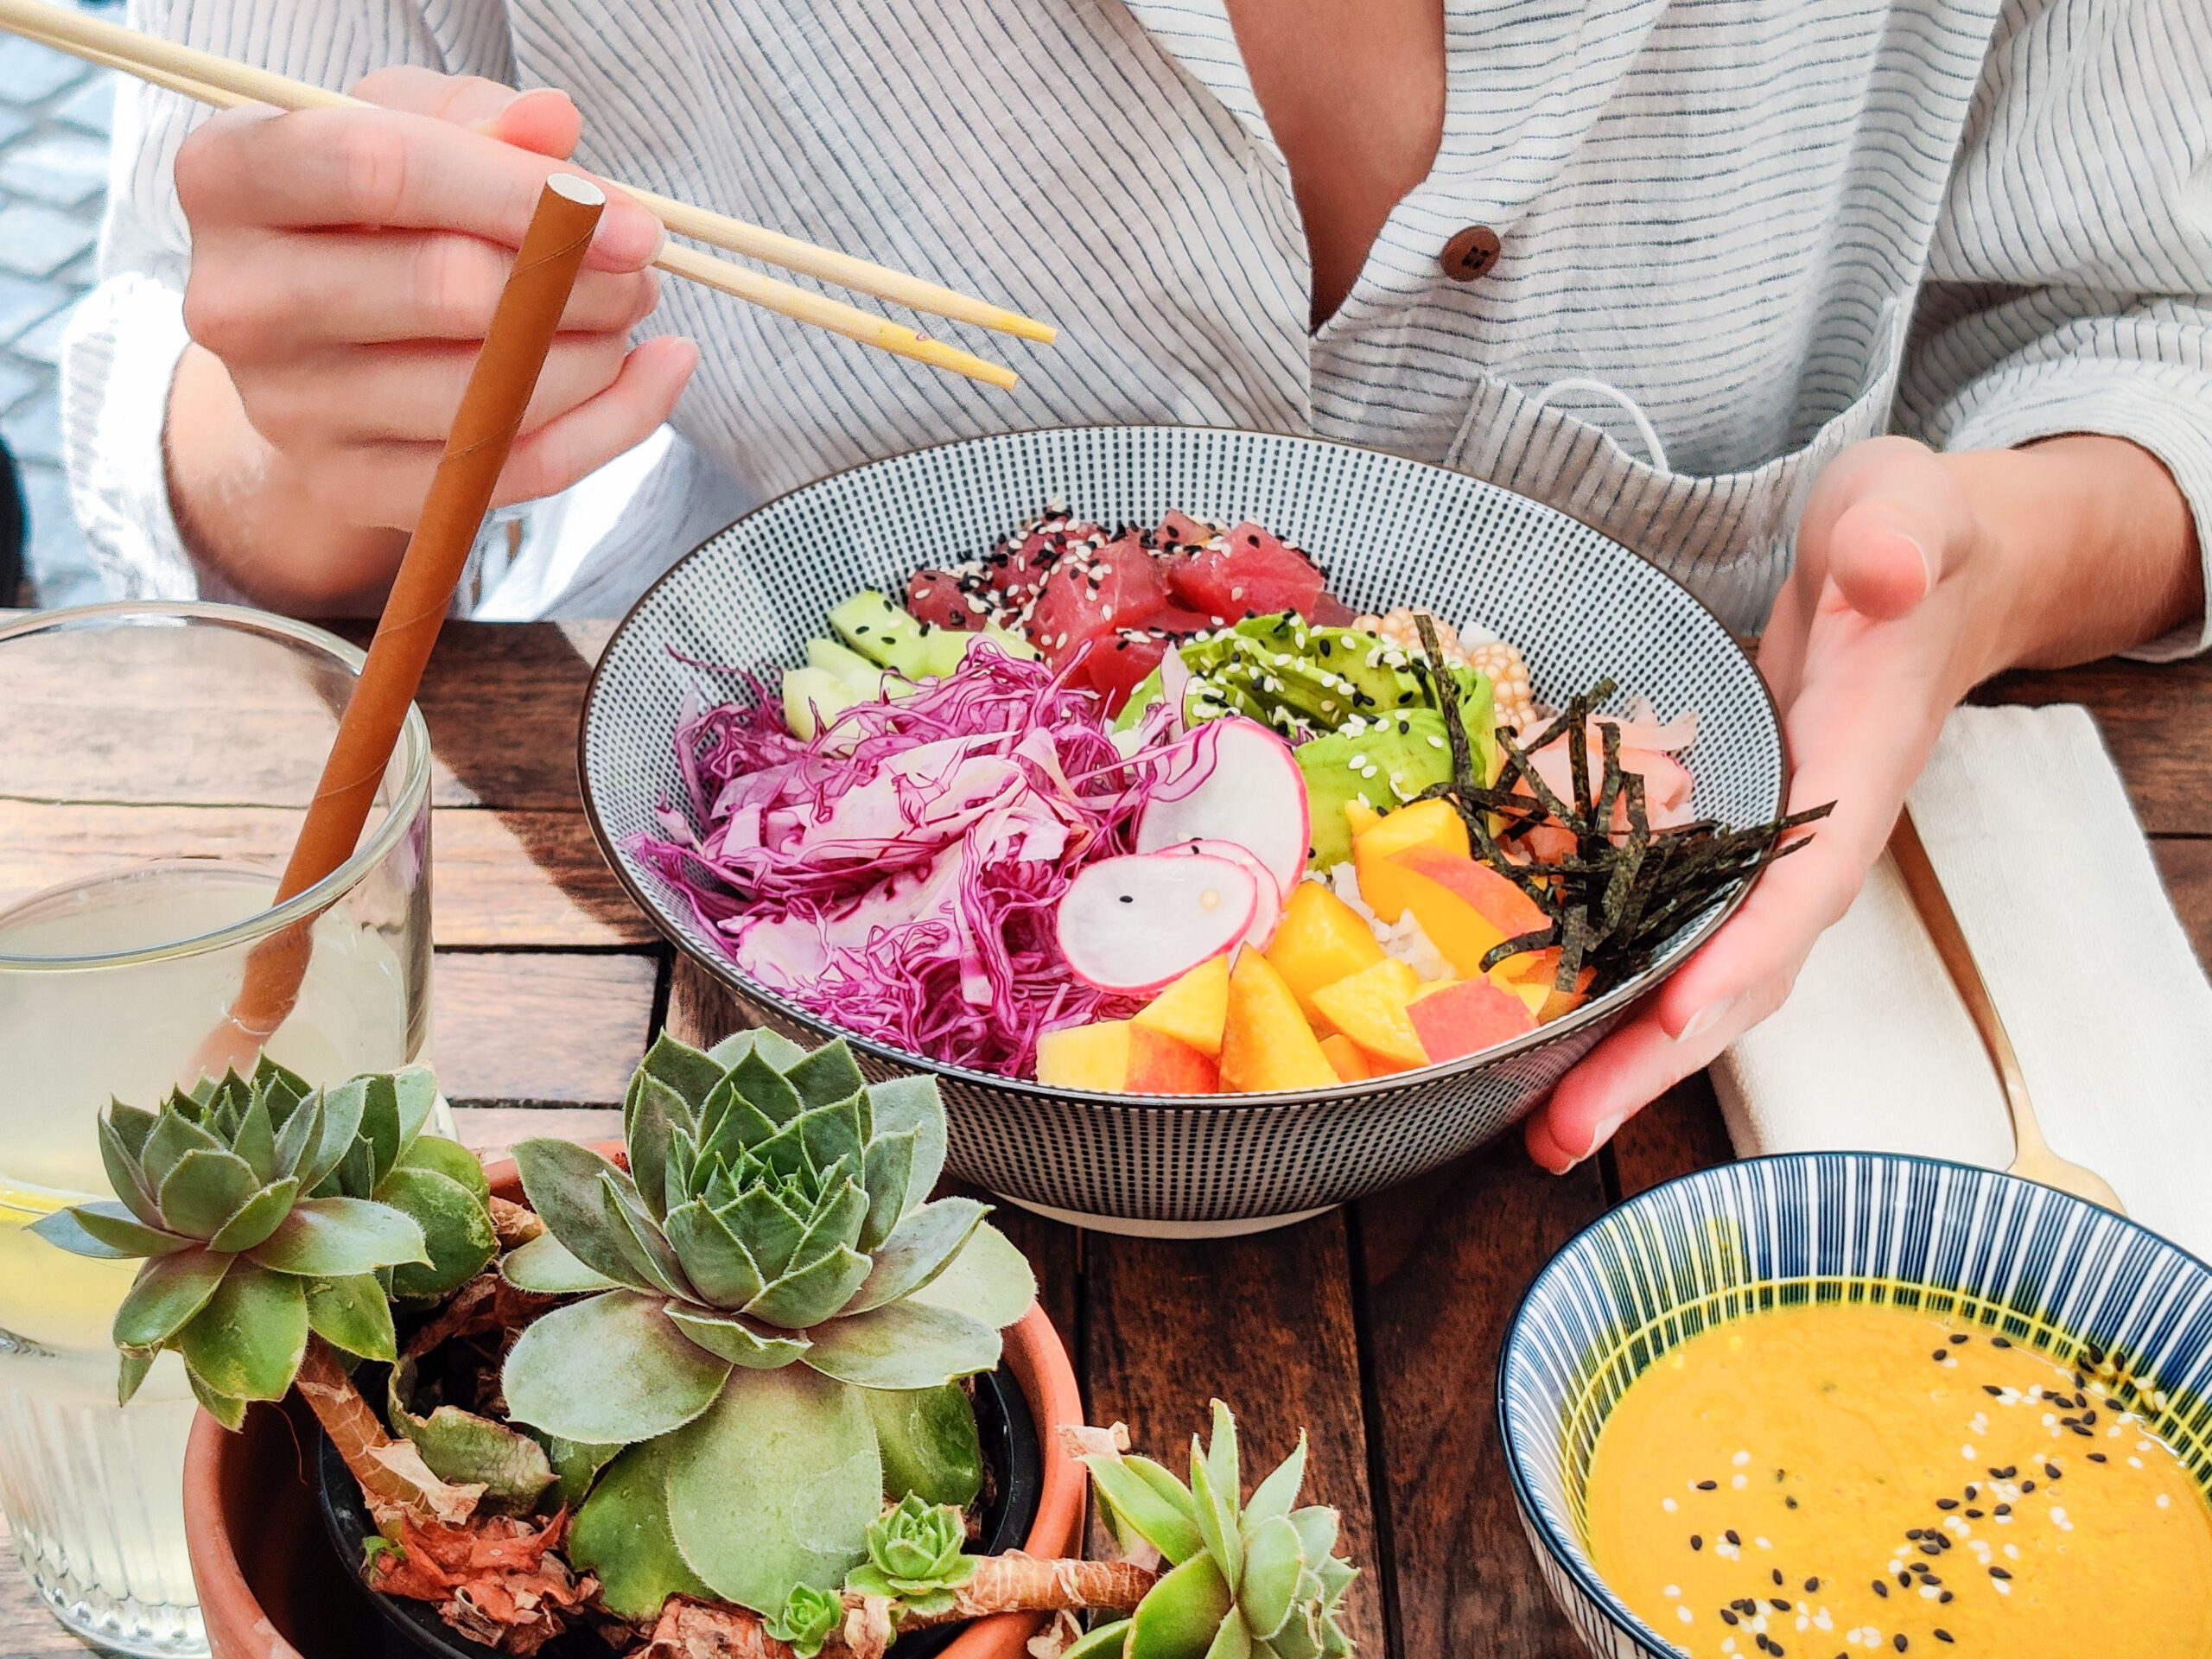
(227, 84)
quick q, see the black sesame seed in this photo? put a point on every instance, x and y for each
(1929, 1578)
(1999, 1341)
(1958, 1336)
(1971, 1514)
(1899, 1641)
(1998, 1572)
(1812, 1584)
(1945, 1596)
(2027, 1486)
(1881, 1589)
(2051, 1471)
(1777, 1603)
(1777, 1575)
(2097, 1457)
(1913, 1533)
(1942, 1635)
(1993, 1391)
(2003, 1509)
(1707, 1486)
(1941, 1355)
(1727, 1617)
(1731, 1537)
(1904, 1581)
(1790, 1502)
(1696, 1542)
(1947, 1502)
(1931, 1549)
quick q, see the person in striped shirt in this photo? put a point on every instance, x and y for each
(1885, 325)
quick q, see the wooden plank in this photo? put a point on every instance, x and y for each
(1677, 1133)
(27, 1630)
(513, 1028)
(1264, 1322)
(2153, 720)
(1446, 1259)
(502, 700)
(702, 1010)
(513, 879)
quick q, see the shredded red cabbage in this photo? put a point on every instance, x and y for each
(899, 872)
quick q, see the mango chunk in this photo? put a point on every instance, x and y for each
(1369, 1008)
(1121, 1056)
(1095, 1056)
(1267, 1043)
(1348, 1058)
(1391, 886)
(1500, 901)
(1468, 1016)
(1194, 1008)
(1435, 824)
(1361, 816)
(1321, 940)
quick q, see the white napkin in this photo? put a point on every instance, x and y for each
(2030, 828)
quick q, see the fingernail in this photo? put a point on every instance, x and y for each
(1704, 1019)
(1927, 560)
(1605, 1132)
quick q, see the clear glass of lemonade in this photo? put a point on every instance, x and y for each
(155, 761)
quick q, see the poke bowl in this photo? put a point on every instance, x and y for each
(702, 652)
(2114, 1322)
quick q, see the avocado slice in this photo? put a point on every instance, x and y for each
(1386, 766)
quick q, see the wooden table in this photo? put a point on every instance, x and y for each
(1375, 1326)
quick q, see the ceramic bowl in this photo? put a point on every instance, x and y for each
(1390, 532)
(2047, 1270)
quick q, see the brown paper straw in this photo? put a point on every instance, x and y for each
(500, 388)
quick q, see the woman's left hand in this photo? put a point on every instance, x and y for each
(1917, 576)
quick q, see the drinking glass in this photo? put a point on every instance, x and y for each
(155, 766)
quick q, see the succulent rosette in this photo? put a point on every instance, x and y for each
(915, 1554)
(266, 1211)
(776, 1324)
(1254, 1578)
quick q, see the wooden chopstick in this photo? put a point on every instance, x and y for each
(227, 84)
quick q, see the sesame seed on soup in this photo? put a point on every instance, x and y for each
(1849, 1480)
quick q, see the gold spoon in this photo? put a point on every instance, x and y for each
(2033, 1159)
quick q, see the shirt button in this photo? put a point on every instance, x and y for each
(1470, 254)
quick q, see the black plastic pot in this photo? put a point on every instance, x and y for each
(1012, 1452)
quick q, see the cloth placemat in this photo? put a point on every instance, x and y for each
(2028, 825)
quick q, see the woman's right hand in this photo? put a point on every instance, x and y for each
(344, 266)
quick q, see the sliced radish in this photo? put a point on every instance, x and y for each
(1242, 784)
(1139, 923)
(1267, 914)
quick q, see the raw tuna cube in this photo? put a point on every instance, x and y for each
(1118, 663)
(934, 597)
(1087, 599)
(1248, 573)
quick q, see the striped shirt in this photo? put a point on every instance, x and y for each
(1736, 235)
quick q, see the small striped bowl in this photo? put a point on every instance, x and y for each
(2042, 1267)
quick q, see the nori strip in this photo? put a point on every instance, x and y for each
(1612, 902)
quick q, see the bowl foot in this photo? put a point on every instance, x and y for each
(1130, 1228)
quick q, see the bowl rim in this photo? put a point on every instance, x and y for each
(1601, 1008)
(1594, 1588)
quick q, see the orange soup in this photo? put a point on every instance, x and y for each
(1849, 1480)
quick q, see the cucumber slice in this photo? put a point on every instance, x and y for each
(883, 633)
(940, 651)
(862, 677)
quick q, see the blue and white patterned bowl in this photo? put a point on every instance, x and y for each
(1389, 531)
(2046, 1269)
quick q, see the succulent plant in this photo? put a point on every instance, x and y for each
(1255, 1579)
(914, 1554)
(765, 1264)
(806, 1619)
(267, 1209)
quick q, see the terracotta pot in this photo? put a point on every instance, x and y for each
(270, 1583)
